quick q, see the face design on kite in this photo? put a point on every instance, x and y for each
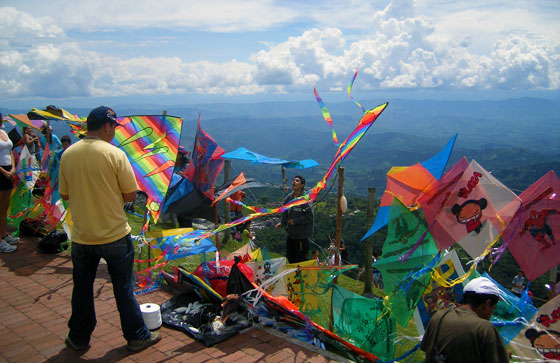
(546, 342)
(267, 268)
(537, 225)
(470, 213)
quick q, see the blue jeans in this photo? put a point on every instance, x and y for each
(120, 257)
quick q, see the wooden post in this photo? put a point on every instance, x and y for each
(216, 223)
(149, 249)
(227, 167)
(284, 180)
(368, 271)
(338, 231)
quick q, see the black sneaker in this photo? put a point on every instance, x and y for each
(138, 345)
(70, 344)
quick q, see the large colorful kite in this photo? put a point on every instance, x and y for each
(344, 149)
(151, 144)
(468, 206)
(407, 183)
(206, 163)
(27, 168)
(53, 113)
(533, 236)
(24, 121)
(244, 154)
(404, 230)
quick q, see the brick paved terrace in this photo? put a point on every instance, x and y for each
(35, 292)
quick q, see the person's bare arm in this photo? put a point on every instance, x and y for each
(129, 197)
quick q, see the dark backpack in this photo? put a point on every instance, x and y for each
(53, 242)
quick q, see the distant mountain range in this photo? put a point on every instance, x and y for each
(500, 135)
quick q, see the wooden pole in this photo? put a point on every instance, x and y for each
(227, 219)
(368, 271)
(338, 231)
(216, 223)
(284, 180)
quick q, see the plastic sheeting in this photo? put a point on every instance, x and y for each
(362, 322)
(244, 154)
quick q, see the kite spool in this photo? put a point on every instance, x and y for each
(152, 315)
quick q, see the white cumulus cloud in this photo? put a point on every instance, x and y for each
(399, 49)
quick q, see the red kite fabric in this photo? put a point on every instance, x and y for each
(23, 120)
(406, 183)
(206, 163)
(468, 206)
(534, 233)
(240, 180)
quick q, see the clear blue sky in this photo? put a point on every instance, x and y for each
(60, 49)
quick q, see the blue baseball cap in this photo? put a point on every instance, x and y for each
(101, 115)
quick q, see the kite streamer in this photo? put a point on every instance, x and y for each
(344, 149)
(349, 91)
(326, 115)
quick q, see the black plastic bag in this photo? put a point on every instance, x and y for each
(53, 242)
(33, 227)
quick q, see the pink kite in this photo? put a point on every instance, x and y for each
(468, 206)
(534, 233)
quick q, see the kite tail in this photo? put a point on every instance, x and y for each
(145, 279)
(445, 283)
(146, 223)
(415, 275)
(349, 91)
(326, 115)
(386, 309)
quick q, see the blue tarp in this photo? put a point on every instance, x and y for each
(244, 154)
(183, 245)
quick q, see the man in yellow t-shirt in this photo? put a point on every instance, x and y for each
(96, 179)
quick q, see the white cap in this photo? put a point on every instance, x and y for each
(483, 285)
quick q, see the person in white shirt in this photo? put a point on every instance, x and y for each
(7, 170)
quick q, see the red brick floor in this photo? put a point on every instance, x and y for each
(35, 291)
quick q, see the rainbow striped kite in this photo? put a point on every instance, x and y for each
(151, 144)
(365, 123)
(344, 149)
